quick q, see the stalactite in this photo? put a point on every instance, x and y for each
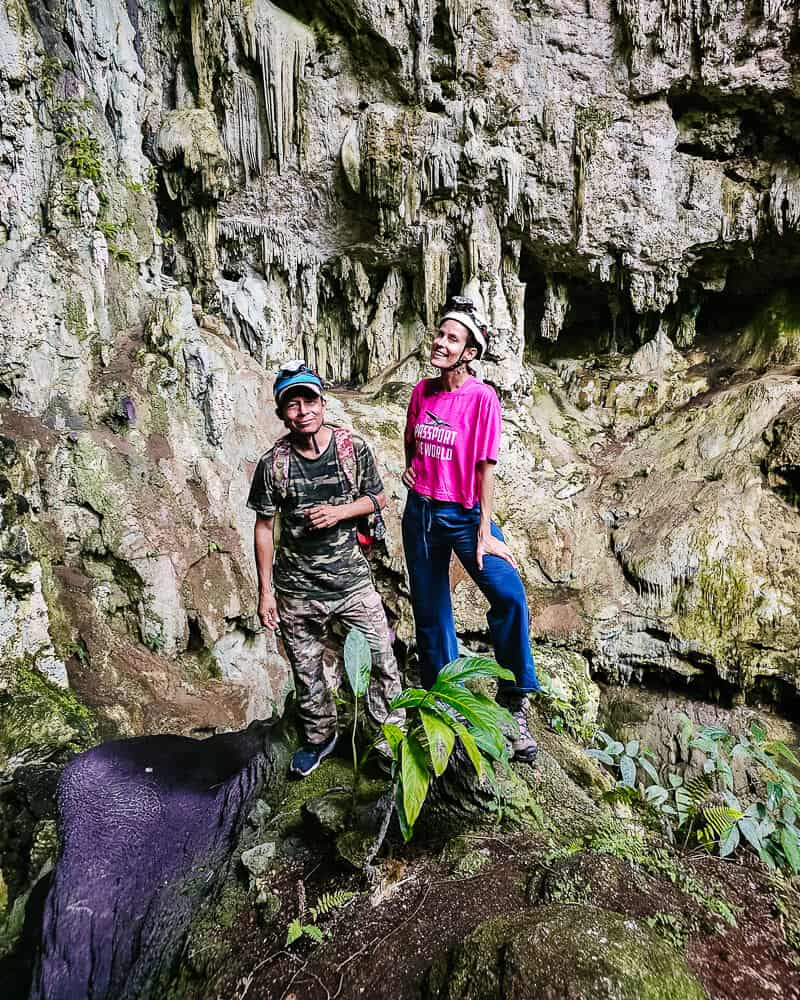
(386, 134)
(686, 328)
(653, 291)
(459, 13)
(784, 199)
(243, 128)
(511, 170)
(381, 337)
(740, 211)
(280, 44)
(440, 164)
(556, 304)
(435, 270)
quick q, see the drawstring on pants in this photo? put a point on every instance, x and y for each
(427, 526)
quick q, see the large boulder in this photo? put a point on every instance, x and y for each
(559, 951)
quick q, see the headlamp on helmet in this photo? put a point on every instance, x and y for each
(465, 312)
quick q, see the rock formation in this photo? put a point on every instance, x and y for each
(191, 190)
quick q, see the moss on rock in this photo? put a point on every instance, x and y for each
(591, 954)
(38, 715)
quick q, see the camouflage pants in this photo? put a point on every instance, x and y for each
(305, 626)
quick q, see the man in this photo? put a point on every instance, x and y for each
(320, 482)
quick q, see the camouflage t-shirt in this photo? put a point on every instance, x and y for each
(316, 563)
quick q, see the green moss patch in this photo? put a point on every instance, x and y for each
(36, 714)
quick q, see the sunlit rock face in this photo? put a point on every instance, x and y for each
(190, 192)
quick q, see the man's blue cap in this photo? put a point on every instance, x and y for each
(300, 376)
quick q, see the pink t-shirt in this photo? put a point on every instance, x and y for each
(452, 432)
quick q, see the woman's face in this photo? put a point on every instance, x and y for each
(449, 343)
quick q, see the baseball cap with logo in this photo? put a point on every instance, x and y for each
(296, 373)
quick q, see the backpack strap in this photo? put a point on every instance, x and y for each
(347, 456)
(281, 457)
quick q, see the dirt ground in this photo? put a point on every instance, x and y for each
(382, 942)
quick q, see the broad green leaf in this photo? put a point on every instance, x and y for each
(405, 829)
(656, 794)
(441, 740)
(394, 736)
(415, 777)
(777, 748)
(632, 748)
(714, 733)
(495, 711)
(729, 843)
(648, 768)
(467, 704)
(767, 858)
(750, 831)
(765, 828)
(788, 814)
(293, 932)
(675, 780)
(791, 846)
(467, 668)
(628, 771)
(412, 698)
(357, 661)
(491, 743)
(758, 732)
(600, 755)
(469, 744)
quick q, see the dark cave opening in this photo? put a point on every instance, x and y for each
(589, 326)
(760, 301)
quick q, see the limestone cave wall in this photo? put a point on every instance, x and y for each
(192, 190)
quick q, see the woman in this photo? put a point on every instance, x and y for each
(452, 441)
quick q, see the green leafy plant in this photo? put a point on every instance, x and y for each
(121, 254)
(358, 668)
(703, 808)
(435, 719)
(564, 716)
(326, 904)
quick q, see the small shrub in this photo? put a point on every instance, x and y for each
(703, 808)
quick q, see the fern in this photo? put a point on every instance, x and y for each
(719, 820)
(330, 901)
(690, 796)
(294, 932)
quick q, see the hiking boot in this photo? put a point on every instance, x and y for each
(523, 745)
(309, 757)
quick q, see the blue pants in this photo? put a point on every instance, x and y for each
(432, 531)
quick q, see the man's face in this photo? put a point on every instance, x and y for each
(302, 411)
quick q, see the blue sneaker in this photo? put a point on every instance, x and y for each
(309, 757)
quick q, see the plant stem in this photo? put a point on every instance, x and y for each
(355, 754)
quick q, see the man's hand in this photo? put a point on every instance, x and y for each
(409, 477)
(488, 545)
(268, 611)
(325, 515)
